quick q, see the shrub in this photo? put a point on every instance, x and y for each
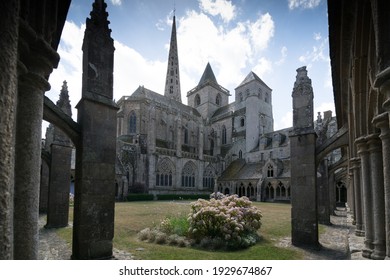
(231, 220)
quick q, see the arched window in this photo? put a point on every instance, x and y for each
(260, 93)
(270, 171)
(133, 123)
(242, 122)
(164, 174)
(197, 100)
(241, 97)
(211, 147)
(224, 135)
(188, 175)
(218, 99)
(208, 178)
(240, 154)
(185, 135)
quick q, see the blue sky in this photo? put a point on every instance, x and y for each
(269, 37)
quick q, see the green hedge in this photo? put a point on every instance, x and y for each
(140, 197)
(182, 196)
(148, 197)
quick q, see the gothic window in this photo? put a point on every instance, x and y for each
(171, 89)
(282, 189)
(241, 97)
(208, 178)
(132, 123)
(224, 135)
(188, 175)
(240, 154)
(260, 94)
(242, 122)
(218, 100)
(164, 174)
(270, 171)
(211, 147)
(185, 136)
(197, 100)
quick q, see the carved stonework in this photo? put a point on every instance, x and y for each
(302, 100)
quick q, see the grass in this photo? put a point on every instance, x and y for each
(132, 217)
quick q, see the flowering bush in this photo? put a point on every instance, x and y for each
(230, 219)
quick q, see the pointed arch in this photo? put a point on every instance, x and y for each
(188, 175)
(224, 138)
(165, 172)
(197, 100)
(208, 177)
(132, 123)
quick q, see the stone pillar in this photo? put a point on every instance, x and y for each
(385, 137)
(376, 168)
(362, 148)
(304, 222)
(37, 58)
(382, 122)
(60, 166)
(93, 226)
(332, 192)
(9, 19)
(355, 167)
(323, 194)
(44, 187)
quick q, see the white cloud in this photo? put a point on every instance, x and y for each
(263, 66)
(223, 8)
(317, 36)
(262, 31)
(116, 2)
(303, 4)
(283, 53)
(317, 53)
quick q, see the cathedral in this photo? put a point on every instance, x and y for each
(167, 147)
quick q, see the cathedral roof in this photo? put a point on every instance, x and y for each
(208, 76)
(142, 92)
(252, 77)
(240, 170)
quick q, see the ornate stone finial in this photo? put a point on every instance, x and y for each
(64, 102)
(99, 16)
(302, 101)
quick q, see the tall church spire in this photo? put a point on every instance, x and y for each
(172, 83)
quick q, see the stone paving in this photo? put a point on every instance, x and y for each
(338, 242)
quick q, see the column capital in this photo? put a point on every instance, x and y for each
(374, 142)
(355, 163)
(361, 144)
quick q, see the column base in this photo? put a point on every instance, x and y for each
(367, 253)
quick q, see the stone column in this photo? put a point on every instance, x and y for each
(39, 58)
(9, 19)
(355, 167)
(382, 121)
(59, 183)
(94, 206)
(376, 168)
(362, 148)
(323, 194)
(304, 219)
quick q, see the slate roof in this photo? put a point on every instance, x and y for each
(240, 170)
(142, 92)
(208, 76)
(252, 77)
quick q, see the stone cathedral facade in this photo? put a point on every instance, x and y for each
(165, 146)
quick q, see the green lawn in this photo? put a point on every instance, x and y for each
(132, 217)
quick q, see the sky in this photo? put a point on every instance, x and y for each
(272, 38)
